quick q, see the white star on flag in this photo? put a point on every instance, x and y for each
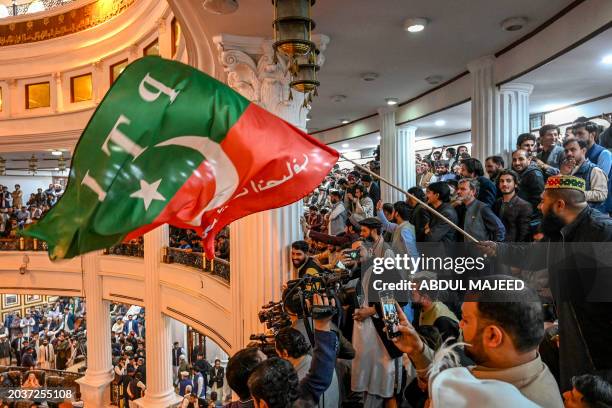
(148, 192)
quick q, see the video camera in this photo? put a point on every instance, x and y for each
(265, 343)
(329, 284)
(274, 316)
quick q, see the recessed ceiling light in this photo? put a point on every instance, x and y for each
(607, 59)
(414, 25)
(57, 169)
(514, 23)
(434, 79)
(344, 121)
(440, 122)
(377, 137)
(345, 145)
(369, 76)
(391, 101)
(56, 153)
(338, 98)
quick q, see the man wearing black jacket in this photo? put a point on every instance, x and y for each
(513, 211)
(531, 178)
(438, 230)
(487, 192)
(372, 187)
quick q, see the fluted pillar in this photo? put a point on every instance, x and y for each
(485, 120)
(513, 114)
(397, 155)
(158, 343)
(260, 243)
(95, 384)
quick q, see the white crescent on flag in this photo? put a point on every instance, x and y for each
(220, 164)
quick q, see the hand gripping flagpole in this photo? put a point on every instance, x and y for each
(427, 206)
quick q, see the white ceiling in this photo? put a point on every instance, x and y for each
(457, 119)
(367, 36)
(576, 76)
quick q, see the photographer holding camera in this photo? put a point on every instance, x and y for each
(274, 382)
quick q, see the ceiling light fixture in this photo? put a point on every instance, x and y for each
(56, 153)
(391, 101)
(514, 23)
(434, 79)
(440, 122)
(415, 25)
(338, 98)
(220, 6)
(369, 76)
(345, 145)
(344, 121)
(607, 59)
(378, 137)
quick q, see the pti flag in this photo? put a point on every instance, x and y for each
(169, 144)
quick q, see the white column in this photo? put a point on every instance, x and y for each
(260, 243)
(485, 122)
(164, 38)
(95, 384)
(10, 100)
(57, 93)
(513, 115)
(98, 81)
(396, 155)
(158, 343)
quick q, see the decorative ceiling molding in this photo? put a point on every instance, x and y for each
(58, 25)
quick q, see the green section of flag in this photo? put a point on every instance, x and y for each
(153, 100)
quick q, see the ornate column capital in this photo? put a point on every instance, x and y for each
(252, 71)
(97, 65)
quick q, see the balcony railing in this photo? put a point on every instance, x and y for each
(126, 249)
(217, 266)
(22, 244)
(15, 9)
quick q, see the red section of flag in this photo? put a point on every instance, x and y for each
(277, 164)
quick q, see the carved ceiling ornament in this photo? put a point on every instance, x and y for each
(45, 28)
(252, 71)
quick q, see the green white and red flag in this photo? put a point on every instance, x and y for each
(169, 144)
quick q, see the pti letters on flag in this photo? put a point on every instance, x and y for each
(169, 144)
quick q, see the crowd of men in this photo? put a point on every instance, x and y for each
(48, 337)
(188, 240)
(17, 211)
(525, 348)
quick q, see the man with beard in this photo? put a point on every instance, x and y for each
(503, 330)
(531, 178)
(493, 165)
(475, 217)
(302, 263)
(513, 211)
(338, 214)
(596, 183)
(527, 142)
(487, 192)
(550, 157)
(442, 173)
(438, 230)
(576, 253)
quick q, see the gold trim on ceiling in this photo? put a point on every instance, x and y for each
(70, 22)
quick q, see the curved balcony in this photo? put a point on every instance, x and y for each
(194, 291)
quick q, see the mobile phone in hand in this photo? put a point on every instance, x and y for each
(390, 316)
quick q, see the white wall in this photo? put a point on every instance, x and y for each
(29, 184)
(588, 110)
